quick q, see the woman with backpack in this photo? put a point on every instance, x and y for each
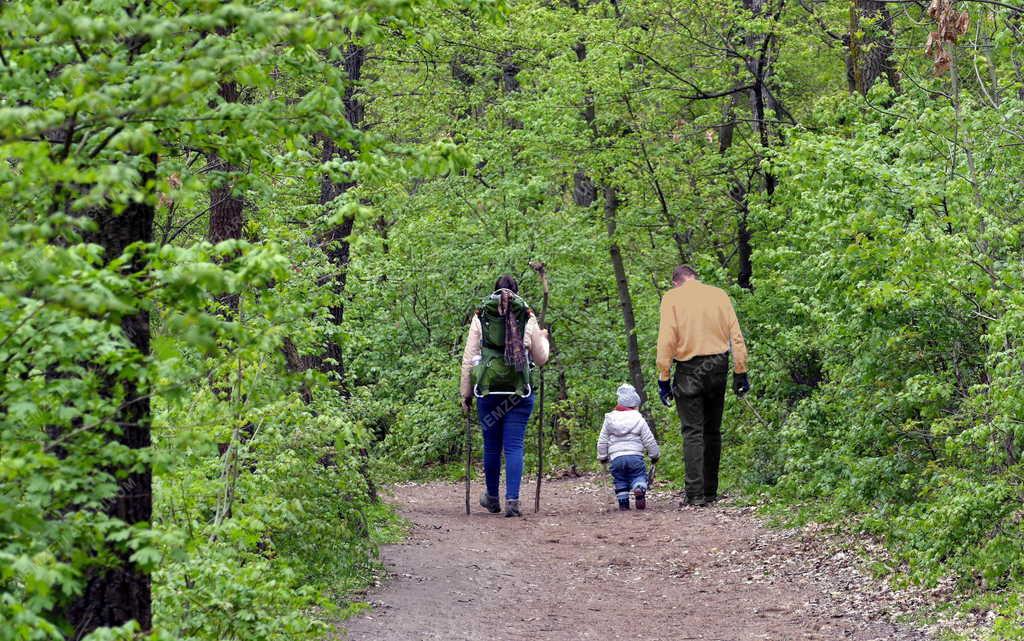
(504, 340)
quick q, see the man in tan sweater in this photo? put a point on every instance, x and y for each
(698, 330)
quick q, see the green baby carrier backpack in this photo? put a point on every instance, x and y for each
(493, 375)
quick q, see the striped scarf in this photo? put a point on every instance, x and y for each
(515, 349)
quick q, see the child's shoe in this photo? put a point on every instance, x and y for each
(640, 494)
(624, 504)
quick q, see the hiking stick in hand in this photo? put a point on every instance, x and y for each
(538, 267)
(469, 454)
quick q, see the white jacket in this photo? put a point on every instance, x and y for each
(626, 432)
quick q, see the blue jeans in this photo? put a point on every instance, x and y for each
(503, 422)
(628, 473)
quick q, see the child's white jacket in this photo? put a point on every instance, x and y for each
(626, 432)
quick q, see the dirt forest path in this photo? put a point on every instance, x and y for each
(577, 570)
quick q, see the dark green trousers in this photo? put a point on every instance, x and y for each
(699, 390)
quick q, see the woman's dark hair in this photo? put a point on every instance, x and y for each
(506, 281)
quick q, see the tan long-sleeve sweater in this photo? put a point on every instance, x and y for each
(536, 342)
(698, 320)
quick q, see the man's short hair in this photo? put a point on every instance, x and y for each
(683, 271)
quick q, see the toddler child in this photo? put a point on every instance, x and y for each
(625, 436)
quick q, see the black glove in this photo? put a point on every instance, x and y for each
(665, 392)
(740, 384)
(466, 404)
(603, 461)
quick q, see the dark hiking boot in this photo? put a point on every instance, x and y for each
(624, 504)
(512, 508)
(694, 501)
(490, 503)
(640, 494)
(711, 499)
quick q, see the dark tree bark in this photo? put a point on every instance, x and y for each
(738, 195)
(869, 57)
(509, 82)
(509, 72)
(297, 363)
(383, 227)
(611, 210)
(226, 217)
(116, 595)
(336, 245)
(336, 240)
(744, 250)
(583, 192)
(759, 66)
(226, 209)
(760, 48)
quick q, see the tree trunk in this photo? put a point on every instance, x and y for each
(226, 209)
(869, 56)
(584, 195)
(759, 64)
(738, 195)
(744, 250)
(509, 72)
(758, 103)
(336, 246)
(116, 595)
(336, 240)
(611, 209)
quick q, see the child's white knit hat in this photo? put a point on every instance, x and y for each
(628, 396)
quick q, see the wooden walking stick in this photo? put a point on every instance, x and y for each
(538, 267)
(469, 453)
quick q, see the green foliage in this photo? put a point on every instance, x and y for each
(884, 317)
(889, 271)
(113, 113)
